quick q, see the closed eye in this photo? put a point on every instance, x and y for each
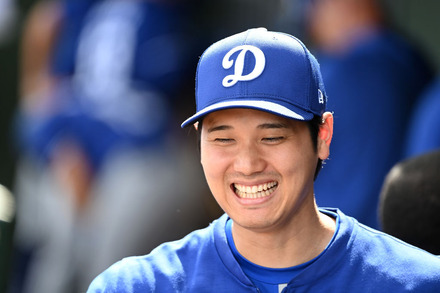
(223, 140)
(273, 139)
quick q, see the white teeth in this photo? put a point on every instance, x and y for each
(255, 191)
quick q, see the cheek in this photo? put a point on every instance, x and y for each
(207, 167)
(214, 166)
(296, 163)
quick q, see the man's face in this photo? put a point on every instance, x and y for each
(259, 166)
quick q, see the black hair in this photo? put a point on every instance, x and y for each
(314, 125)
(410, 201)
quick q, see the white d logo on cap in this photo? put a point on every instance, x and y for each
(260, 62)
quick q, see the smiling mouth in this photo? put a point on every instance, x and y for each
(255, 191)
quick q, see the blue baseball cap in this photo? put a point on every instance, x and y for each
(262, 70)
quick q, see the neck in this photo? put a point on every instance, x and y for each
(297, 243)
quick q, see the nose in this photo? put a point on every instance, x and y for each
(249, 160)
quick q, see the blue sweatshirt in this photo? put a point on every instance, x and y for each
(359, 259)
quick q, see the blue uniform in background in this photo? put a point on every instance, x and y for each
(118, 70)
(372, 89)
(424, 129)
(358, 259)
(120, 65)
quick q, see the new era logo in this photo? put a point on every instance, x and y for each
(320, 97)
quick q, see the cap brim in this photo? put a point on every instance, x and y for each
(251, 104)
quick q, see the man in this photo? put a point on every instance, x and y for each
(258, 95)
(410, 200)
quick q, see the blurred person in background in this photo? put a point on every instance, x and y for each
(100, 166)
(370, 73)
(424, 128)
(410, 201)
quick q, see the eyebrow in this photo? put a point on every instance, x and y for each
(261, 126)
(272, 125)
(218, 128)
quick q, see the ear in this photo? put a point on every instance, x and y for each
(325, 135)
(196, 125)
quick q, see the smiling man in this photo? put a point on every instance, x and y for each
(264, 132)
